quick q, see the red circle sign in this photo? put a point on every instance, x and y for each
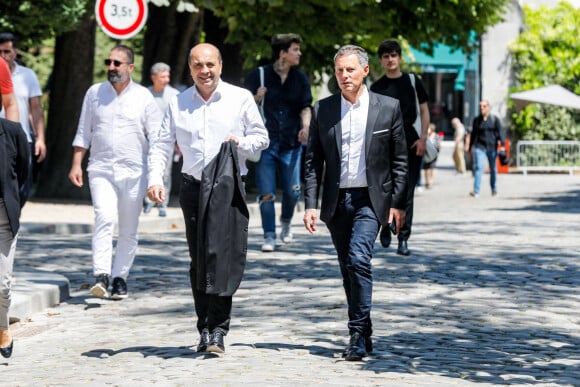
(121, 19)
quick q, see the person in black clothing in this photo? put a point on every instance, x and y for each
(486, 133)
(14, 156)
(286, 99)
(397, 84)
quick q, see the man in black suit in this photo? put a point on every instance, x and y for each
(14, 153)
(357, 141)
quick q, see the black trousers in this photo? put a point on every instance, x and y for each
(213, 311)
(414, 170)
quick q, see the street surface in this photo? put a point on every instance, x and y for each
(489, 297)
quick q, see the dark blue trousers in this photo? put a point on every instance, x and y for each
(354, 229)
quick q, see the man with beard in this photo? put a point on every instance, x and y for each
(118, 119)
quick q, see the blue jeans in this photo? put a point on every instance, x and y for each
(479, 164)
(287, 164)
(354, 228)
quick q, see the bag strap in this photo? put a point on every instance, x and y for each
(417, 109)
(261, 104)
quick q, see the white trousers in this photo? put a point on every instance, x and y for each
(7, 249)
(115, 201)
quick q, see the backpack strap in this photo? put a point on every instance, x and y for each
(261, 104)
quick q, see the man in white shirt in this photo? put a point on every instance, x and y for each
(201, 118)
(163, 93)
(28, 93)
(118, 119)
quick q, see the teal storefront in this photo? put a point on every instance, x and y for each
(452, 81)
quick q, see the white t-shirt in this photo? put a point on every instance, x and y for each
(26, 86)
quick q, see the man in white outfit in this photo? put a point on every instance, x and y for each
(118, 119)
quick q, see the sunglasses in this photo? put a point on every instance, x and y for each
(117, 63)
(5, 51)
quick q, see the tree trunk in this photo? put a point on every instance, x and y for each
(168, 38)
(71, 77)
(233, 62)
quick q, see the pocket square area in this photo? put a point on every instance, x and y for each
(381, 131)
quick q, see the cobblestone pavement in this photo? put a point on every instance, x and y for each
(489, 297)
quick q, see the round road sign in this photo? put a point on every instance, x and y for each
(121, 19)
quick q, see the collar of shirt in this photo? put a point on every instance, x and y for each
(130, 85)
(215, 96)
(353, 125)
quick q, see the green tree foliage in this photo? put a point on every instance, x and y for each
(326, 24)
(240, 28)
(547, 53)
(36, 20)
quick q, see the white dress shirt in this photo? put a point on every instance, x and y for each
(352, 157)
(26, 86)
(201, 126)
(118, 128)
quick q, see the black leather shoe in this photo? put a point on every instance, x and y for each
(119, 291)
(356, 348)
(203, 341)
(385, 237)
(7, 351)
(403, 248)
(368, 344)
(216, 342)
(99, 289)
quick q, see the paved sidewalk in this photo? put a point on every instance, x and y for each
(489, 297)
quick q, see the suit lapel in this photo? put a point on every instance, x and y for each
(334, 115)
(372, 116)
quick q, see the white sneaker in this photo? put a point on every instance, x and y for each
(286, 235)
(269, 245)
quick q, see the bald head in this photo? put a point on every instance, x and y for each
(205, 66)
(204, 49)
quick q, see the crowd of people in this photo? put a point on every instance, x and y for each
(361, 149)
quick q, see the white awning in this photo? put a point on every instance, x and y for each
(552, 95)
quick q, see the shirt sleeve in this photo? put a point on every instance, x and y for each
(34, 85)
(422, 95)
(85, 128)
(6, 86)
(500, 131)
(255, 133)
(161, 146)
(152, 117)
(306, 92)
(252, 81)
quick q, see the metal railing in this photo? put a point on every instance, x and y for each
(544, 156)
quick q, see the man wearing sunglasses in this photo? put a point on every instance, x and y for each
(118, 119)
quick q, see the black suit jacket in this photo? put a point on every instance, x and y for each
(222, 233)
(14, 150)
(385, 151)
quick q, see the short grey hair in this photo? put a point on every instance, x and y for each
(350, 49)
(160, 67)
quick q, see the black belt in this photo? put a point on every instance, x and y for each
(353, 189)
(190, 178)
